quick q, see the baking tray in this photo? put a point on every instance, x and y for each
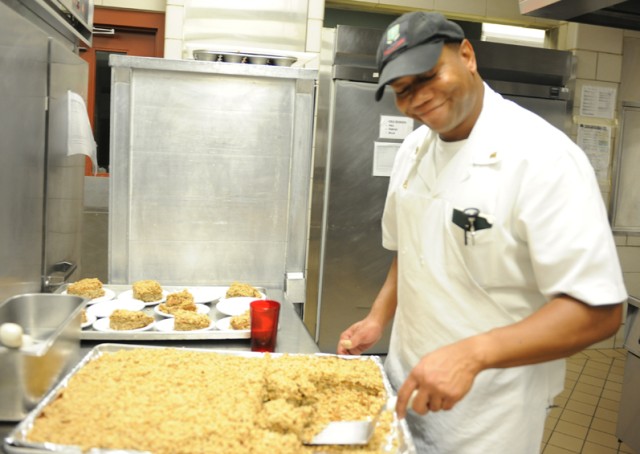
(16, 443)
(152, 335)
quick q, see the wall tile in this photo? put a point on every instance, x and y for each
(609, 67)
(314, 35)
(586, 64)
(174, 21)
(570, 36)
(632, 283)
(175, 2)
(630, 259)
(408, 5)
(173, 49)
(633, 240)
(607, 343)
(316, 9)
(620, 239)
(467, 7)
(632, 33)
(504, 9)
(600, 39)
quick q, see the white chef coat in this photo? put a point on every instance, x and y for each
(549, 235)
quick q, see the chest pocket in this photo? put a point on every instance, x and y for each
(476, 237)
(477, 201)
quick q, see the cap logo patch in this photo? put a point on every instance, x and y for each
(393, 34)
(394, 40)
(394, 46)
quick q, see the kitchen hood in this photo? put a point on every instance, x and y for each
(607, 13)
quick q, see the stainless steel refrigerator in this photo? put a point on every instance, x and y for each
(41, 188)
(347, 264)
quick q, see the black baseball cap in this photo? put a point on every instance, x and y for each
(412, 45)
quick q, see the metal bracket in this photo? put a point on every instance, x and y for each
(58, 275)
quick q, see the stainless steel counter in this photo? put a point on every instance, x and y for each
(293, 337)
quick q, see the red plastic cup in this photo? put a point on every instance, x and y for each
(264, 325)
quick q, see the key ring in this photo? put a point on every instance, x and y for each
(472, 214)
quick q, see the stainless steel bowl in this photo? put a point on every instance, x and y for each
(233, 58)
(283, 61)
(258, 59)
(53, 323)
(206, 55)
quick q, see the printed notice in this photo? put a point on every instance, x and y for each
(595, 140)
(598, 102)
(384, 153)
(392, 127)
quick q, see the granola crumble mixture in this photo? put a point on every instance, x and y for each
(173, 401)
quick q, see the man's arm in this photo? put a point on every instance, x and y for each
(559, 329)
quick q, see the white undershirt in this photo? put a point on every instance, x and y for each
(433, 160)
(444, 151)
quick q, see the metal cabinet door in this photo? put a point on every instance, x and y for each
(354, 263)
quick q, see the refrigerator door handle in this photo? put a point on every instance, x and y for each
(59, 273)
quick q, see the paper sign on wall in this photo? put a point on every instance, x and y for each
(384, 153)
(395, 127)
(595, 140)
(598, 102)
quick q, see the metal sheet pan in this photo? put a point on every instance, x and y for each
(153, 335)
(16, 442)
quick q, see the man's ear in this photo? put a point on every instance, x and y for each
(468, 55)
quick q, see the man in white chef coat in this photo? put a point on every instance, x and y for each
(505, 262)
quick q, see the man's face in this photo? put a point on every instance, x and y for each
(444, 97)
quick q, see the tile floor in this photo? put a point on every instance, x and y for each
(584, 420)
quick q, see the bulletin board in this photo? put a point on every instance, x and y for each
(625, 207)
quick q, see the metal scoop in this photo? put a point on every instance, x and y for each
(350, 432)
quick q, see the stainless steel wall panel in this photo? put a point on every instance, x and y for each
(298, 228)
(23, 91)
(119, 178)
(65, 174)
(318, 183)
(211, 171)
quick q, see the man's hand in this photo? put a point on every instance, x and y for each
(359, 337)
(440, 379)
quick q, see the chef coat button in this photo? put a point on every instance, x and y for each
(417, 150)
(405, 184)
(422, 260)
